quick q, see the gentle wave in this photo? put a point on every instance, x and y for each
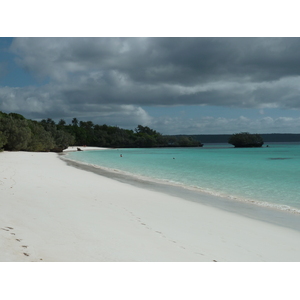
(280, 207)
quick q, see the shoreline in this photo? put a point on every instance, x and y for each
(212, 190)
(289, 218)
(82, 148)
(52, 211)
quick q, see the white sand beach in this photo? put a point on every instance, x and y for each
(82, 148)
(54, 212)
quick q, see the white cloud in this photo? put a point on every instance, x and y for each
(110, 80)
(39, 103)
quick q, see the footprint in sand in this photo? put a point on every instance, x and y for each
(8, 228)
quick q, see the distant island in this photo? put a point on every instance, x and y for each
(20, 134)
(267, 137)
(246, 140)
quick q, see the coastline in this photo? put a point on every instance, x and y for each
(288, 217)
(52, 211)
(82, 148)
(266, 188)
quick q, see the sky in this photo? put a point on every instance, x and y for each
(175, 85)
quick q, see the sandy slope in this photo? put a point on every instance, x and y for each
(54, 212)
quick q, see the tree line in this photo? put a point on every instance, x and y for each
(20, 134)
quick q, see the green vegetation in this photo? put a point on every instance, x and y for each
(245, 139)
(20, 134)
(16, 132)
(3, 140)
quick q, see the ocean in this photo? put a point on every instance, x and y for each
(267, 176)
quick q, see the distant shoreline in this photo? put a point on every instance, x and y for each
(267, 137)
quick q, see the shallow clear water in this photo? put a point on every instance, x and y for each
(268, 176)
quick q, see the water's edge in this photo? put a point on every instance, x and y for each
(266, 214)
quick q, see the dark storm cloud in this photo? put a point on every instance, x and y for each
(93, 76)
(192, 60)
(186, 61)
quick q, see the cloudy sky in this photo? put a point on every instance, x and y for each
(174, 85)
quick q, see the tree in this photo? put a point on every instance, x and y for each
(61, 122)
(145, 129)
(16, 116)
(49, 124)
(41, 140)
(185, 141)
(75, 122)
(3, 115)
(3, 140)
(62, 138)
(17, 133)
(245, 139)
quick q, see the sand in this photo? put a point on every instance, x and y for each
(54, 212)
(83, 148)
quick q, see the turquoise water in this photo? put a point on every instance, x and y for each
(267, 176)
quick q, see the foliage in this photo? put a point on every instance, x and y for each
(16, 116)
(88, 133)
(18, 133)
(62, 139)
(245, 139)
(41, 140)
(3, 140)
